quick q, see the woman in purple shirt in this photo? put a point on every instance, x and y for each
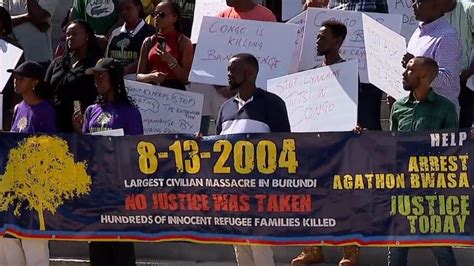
(32, 115)
(113, 110)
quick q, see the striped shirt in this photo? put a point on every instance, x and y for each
(440, 41)
(378, 6)
(264, 112)
(462, 19)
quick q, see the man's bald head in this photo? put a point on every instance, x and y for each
(429, 65)
(242, 68)
(420, 72)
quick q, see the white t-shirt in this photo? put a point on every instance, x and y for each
(36, 44)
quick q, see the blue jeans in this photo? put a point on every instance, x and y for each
(444, 256)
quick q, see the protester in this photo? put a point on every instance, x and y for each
(32, 115)
(330, 38)
(167, 56)
(370, 97)
(436, 39)
(247, 9)
(113, 110)
(32, 27)
(125, 42)
(66, 75)
(101, 15)
(422, 110)
(460, 14)
(252, 110)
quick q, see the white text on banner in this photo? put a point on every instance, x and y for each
(166, 110)
(353, 47)
(220, 39)
(322, 99)
(384, 50)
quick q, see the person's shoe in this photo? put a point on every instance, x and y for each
(351, 256)
(309, 255)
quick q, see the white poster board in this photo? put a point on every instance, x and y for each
(322, 99)
(204, 8)
(300, 21)
(290, 8)
(353, 47)
(9, 56)
(271, 43)
(409, 22)
(384, 50)
(166, 110)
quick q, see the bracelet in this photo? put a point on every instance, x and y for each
(173, 65)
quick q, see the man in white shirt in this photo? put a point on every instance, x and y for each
(31, 21)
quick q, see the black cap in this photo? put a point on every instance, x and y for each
(29, 69)
(106, 64)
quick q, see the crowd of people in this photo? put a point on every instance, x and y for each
(80, 87)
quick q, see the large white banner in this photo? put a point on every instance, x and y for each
(166, 110)
(9, 56)
(404, 8)
(353, 47)
(273, 44)
(290, 8)
(205, 8)
(300, 21)
(322, 99)
(384, 49)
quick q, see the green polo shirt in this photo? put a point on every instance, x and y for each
(435, 112)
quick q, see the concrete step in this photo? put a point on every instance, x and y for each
(179, 253)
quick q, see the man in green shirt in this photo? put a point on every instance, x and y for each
(422, 110)
(102, 15)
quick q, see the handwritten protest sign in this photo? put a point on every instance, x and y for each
(404, 8)
(384, 49)
(353, 47)
(9, 56)
(166, 110)
(300, 21)
(290, 8)
(271, 43)
(205, 8)
(322, 99)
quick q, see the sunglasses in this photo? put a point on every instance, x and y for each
(159, 15)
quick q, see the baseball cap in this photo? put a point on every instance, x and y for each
(29, 69)
(106, 64)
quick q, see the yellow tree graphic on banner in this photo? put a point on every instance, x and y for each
(41, 173)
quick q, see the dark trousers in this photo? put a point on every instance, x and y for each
(112, 254)
(466, 100)
(368, 110)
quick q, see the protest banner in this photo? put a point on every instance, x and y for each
(166, 110)
(372, 189)
(273, 45)
(384, 49)
(300, 21)
(404, 8)
(353, 47)
(204, 8)
(290, 8)
(9, 56)
(322, 99)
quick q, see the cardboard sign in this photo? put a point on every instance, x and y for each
(204, 8)
(273, 45)
(9, 56)
(300, 21)
(322, 99)
(353, 47)
(290, 8)
(166, 110)
(384, 49)
(404, 8)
